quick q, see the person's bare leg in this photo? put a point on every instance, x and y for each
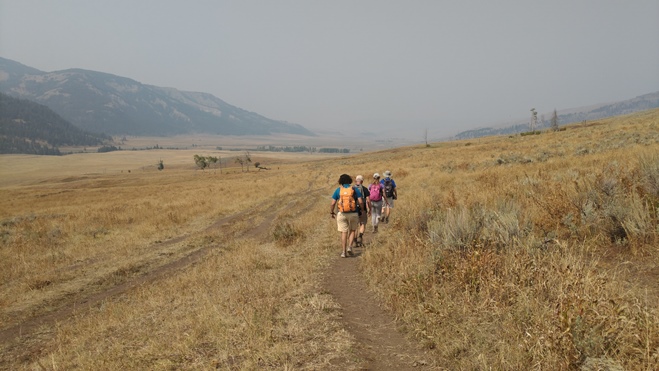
(351, 239)
(344, 242)
(362, 229)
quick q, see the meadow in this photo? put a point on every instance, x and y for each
(508, 252)
(530, 252)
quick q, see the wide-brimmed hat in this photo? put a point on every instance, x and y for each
(387, 174)
(376, 176)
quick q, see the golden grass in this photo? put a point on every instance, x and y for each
(250, 303)
(246, 306)
(503, 253)
(70, 233)
(530, 252)
(20, 170)
(95, 227)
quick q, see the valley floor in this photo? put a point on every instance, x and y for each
(506, 252)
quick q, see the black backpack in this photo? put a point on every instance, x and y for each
(388, 188)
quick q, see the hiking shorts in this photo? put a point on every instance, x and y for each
(391, 204)
(347, 222)
(363, 218)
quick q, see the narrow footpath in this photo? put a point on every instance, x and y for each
(379, 343)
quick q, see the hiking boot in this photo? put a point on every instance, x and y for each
(350, 251)
(343, 255)
(359, 241)
(375, 229)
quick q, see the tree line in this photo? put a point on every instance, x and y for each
(21, 145)
(334, 150)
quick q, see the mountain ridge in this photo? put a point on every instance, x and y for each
(116, 105)
(571, 115)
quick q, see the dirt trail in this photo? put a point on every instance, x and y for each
(379, 343)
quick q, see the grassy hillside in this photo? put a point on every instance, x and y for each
(503, 253)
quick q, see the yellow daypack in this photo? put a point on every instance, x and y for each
(347, 201)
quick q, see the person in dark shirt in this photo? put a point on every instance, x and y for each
(389, 187)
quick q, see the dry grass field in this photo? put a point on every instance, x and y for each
(69, 239)
(529, 252)
(522, 252)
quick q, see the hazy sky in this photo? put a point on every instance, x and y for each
(445, 65)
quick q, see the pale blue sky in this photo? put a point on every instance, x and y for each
(445, 65)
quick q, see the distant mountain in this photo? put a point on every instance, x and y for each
(568, 116)
(105, 103)
(32, 128)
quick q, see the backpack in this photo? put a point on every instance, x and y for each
(376, 192)
(347, 203)
(388, 188)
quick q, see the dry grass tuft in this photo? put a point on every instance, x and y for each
(286, 233)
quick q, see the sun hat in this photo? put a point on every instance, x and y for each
(359, 177)
(376, 176)
(387, 174)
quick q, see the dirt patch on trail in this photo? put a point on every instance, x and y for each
(380, 346)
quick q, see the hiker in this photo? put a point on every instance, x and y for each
(389, 188)
(346, 197)
(376, 198)
(363, 212)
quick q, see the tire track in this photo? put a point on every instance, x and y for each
(24, 340)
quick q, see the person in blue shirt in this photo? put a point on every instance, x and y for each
(346, 198)
(389, 187)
